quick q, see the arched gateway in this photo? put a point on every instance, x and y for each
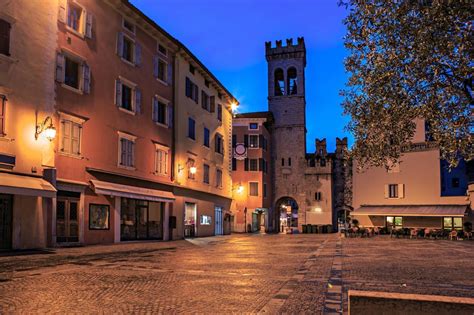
(287, 208)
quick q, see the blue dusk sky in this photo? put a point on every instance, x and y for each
(229, 36)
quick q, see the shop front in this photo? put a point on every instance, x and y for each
(139, 213)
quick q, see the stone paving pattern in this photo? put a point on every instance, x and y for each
(231, 274)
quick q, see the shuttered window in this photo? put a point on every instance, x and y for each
(127, 152)
(161, 162)
(191, 128)
(159, 111)
(205, 178)
(192, 90)
(3, 105)
(253, 188)
(219, 178)
(70, 137)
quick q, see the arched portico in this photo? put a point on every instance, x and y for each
(287, 208)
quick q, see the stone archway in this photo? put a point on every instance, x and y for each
(287, 209)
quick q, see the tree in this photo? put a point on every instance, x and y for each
(408, 60)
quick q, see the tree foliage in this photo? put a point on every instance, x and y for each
(409, 60)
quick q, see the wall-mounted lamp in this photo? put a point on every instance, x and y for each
(239, 188)
(193, 170)
(47, 128)
(233, 106)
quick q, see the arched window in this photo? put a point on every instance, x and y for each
(292, 81)
(279, 82)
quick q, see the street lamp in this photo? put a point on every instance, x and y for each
(233, 106)
(193, 170)
(47, 128)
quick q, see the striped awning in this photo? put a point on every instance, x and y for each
(413, 210)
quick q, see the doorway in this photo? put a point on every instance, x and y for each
(190, 215)
(67, 222)
(288, 209)
(219, 224)
(141, 220)
(6, 221)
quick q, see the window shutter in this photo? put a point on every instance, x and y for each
(203, 100)
(86, 78)
(169, 76)
(188, 87)
(213, 104)
(120, 44)
(234, 164)
(246, 167)
(62, 11)
(170, 116)
(60, 67)
(401, 190)
(118, 93)
(132, 153)
(75, 138)
(196, 94)
(88, 31)
(386, 191)
(138, 54)
(66, 136)
(234, 140)
(155, 65)
(246, 141)
(260, 141)
(154, 114)
(138, 101)
(261, 165)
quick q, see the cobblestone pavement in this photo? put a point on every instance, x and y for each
(231, 274)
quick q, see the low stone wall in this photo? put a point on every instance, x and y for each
(372, 302)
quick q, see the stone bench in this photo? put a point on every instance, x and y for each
(373, 302)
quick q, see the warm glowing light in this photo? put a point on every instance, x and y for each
(193, 169)
(233, 106)
(50, 133)
(318, 210)
(240, 189)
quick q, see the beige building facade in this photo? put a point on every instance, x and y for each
(27, 100)
(408, 194)
(202, 159)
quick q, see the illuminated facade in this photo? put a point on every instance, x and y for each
(410, 194)
(112, 85)
(251, 172)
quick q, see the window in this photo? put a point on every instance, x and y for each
(192, 90)
(253, 126)
(282, 162)
(5, 29)
(71, 73)
(279, 82)
(206, 220)
(219, 144)
(265, 143)
(292, 81)
(3, 105)
(206, 137)
(393, 191)
(207, 83)
(452, 223)
(127, 96)
(71, 132)
(127, 151)
(253, 165)
(162, 70)
(191, 174)
(253, 188)
(234, 164)
(129, 26)
(219, 178)
(455, 182)
(191, 128)
(161, 164)
(317, 196)
(253, 141)
(219, 112)
(191, 68)
(264, 190)
(162, 50)
(289, 161)
(205, 176)
(128, 49)
(322, 162)
(75, 17)
(159, 111)
(394, 222)
(205, 102)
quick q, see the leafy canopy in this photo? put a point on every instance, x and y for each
(409, 60)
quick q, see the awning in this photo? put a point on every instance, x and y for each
(26, 185)
(119, 190)
(413, 210)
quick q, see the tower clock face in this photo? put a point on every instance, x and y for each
(240, 151)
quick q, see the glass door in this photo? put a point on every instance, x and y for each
(219, 227)
(142, 221)
(67, 223)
